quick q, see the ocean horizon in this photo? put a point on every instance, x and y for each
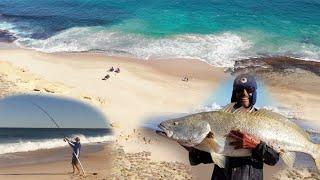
(217, 32)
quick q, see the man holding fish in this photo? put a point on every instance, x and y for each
(239, 139)
(243, 95)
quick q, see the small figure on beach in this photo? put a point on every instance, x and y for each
(117, 70)
(186, 79)
(111, 69)
(106, 77)
(76, 147)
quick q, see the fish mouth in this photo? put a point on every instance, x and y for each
(164, 131)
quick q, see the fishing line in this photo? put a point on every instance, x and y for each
(44, 111)
(57, 125)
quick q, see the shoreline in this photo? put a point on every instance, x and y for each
(40, 156)
(254, 64)
(140, 90)
(10, 36)
(94, 163)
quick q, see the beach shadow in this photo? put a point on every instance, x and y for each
(43, 174)
(33, 174)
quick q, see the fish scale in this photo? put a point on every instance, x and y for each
(260, 127)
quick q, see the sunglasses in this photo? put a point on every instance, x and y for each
(248, 89)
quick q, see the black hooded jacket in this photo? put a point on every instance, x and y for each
(239, 168)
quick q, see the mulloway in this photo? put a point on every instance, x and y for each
(207, 131)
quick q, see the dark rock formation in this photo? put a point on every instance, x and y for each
(6, 36)
(274, 64)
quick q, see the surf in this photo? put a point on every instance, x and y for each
(33, 139)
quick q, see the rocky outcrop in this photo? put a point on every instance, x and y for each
(7, 36)
(275, 64)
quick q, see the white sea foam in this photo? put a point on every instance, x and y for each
(6, 26)
(216, 49)
(12, 29)
(219, 49)
(214, 106)
(32, 145)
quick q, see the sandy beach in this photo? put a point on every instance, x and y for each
(141, 90)
(55, 163)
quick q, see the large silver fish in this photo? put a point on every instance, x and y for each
(207, 131)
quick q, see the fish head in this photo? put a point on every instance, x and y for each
(186, 131)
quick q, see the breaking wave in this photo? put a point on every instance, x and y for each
(32, 145)
(219, 49)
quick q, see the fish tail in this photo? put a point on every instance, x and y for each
(316, 156)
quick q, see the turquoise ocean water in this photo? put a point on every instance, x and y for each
(215, 31)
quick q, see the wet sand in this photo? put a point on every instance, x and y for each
(55, 163)
(46, 156)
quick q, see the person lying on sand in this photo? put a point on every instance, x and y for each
(111, 69)
(106, 77)
(185, 79)
(241, 168)
(76, 147)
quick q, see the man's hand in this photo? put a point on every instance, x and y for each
(65, 139)
(243, 140)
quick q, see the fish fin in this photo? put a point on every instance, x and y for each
(211, 143)
(317, 161)
(288, 158)
(218, 159)
(228, 108)
(240, 110)
(316, 156)
(268, 113)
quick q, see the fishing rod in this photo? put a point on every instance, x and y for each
(57, 125)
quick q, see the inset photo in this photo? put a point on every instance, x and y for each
(52, 138)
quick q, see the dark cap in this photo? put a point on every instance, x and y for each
(245, 81)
